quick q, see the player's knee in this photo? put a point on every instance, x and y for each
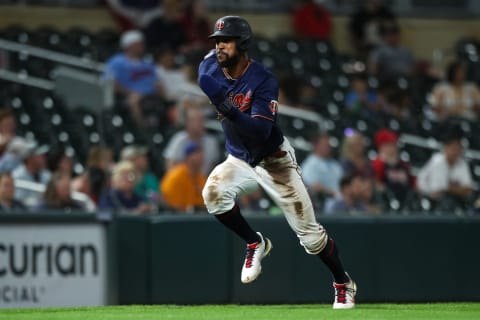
(314, 242)
(217, 200)
(210, 193)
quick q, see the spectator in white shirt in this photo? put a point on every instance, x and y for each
(33, 169)
(322, 173)
(194, 131)
(447, 172)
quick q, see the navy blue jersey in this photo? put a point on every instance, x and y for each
(254, 93)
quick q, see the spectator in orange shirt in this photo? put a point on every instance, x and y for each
(182, 185)
(313, 21)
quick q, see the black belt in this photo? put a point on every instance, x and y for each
(277, 154)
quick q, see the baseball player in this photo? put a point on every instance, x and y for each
(245, 95)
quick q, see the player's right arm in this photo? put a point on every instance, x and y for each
(256, 127)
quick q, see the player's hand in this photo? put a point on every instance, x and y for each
(216, 94)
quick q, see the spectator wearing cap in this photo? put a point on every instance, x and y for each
(33, 169)
(134, 76)
(194, 131)
(182, 185)
(447, 172)
(392, 175)
(7, 192)
(147, 182)
(322, 173)
(121, 197)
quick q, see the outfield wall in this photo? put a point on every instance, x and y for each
(184, 259)
(62, 260)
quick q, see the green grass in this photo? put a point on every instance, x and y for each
(434, 311)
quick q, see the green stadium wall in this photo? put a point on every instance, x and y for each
(194, 260)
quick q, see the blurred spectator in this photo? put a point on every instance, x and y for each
(191, 96)
(321, 173)
(397, 102)
(360, 99)
(11, 145)
(353, 157)
(121, 196)
(456, 97)
(313, 20)
(59, 161)
(365, 24)
(95, 180)
(298, 92)
(196, 26)
(391, 60)
(134, 76)
(289, 90)
(33, 169)
(7, 192)
(167, 29)
(182, 185)
(147, 182)
(368, 195)
(476, 206)
(350, 200)
(251, 202)
(133, 14)
(392, 174)
(447, 172)
(171, 77)
(58, 194)
(194, 131)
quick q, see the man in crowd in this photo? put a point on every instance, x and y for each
(322, 173)
(134, 76)
(194, 132)
(7, 192)
(351, 199)
(33, 169)
(447, 173)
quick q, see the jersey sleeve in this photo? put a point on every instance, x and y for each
(265, 102)
(208, 64)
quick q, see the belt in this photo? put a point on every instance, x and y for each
(277, 154)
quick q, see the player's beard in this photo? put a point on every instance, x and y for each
(230, 61)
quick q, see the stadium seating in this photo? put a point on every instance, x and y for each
(43, 116)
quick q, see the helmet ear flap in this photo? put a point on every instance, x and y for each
(242, 45)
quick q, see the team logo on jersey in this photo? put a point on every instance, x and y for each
(220, 25)
(242, 101)
(273, 106)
